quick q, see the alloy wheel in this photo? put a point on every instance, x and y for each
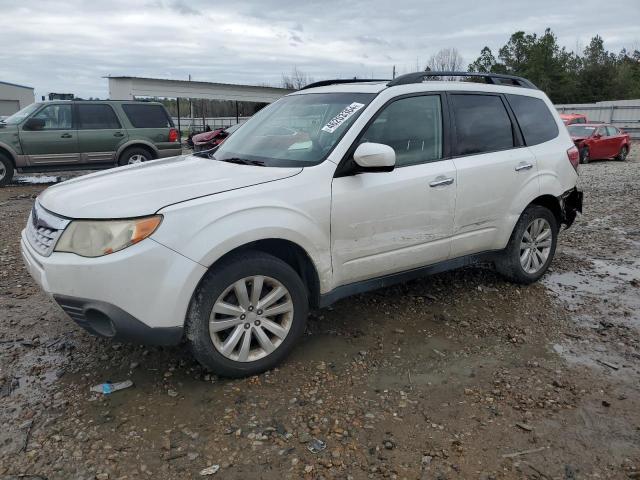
(622, 156)
(251, 318)
(3, 171)
(535, 245)
(137, 158)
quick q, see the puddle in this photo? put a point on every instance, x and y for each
(606, 288)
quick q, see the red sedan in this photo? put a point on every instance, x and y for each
(600, 141)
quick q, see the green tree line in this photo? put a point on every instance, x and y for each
(567, 77)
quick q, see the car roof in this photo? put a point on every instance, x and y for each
(427, 86)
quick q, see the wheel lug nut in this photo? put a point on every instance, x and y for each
(243, 316)
(257, 323)
(251, 308)
(259, 312)
(246, 326)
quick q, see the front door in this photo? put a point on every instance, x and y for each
(99, 132)
(387, 222)
(598, 148)
(54, 141)
(492, 170)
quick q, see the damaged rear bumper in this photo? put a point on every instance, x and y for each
(570, 206)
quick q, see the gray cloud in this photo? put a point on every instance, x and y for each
(68, 46)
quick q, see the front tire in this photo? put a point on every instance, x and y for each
(585, 155)
(622, 155)
(6, 170)
(531, 247)
(246, 315)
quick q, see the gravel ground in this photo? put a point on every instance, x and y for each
(456, 376)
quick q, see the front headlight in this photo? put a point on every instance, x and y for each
(94, 238)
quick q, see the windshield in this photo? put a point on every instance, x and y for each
(581, 131)
(298, 130)
(20, 115)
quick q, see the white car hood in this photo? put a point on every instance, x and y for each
(145, 188)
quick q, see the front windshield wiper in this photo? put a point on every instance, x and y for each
(241, 161)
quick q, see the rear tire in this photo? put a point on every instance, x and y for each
(228, 327)
(531, 247)
(622, 155)
(6, 170)
(585, 155)
(134, 155)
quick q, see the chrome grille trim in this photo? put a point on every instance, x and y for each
(43, 229)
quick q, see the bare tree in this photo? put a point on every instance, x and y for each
(446, 60)
(296, 80)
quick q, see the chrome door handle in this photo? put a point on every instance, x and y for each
(118, 134)
(65, 135)
(441, 181)
(524, 166)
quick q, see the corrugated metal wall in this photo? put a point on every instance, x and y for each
(624, 114)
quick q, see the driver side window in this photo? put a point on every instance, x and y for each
(412, 126)
(55, 117)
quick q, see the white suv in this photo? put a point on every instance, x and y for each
(330, 191)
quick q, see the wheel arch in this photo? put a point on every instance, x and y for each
(150, 147)
(289, 252)
(7, 152)
(551, 203)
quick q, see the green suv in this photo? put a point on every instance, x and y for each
(79, 134)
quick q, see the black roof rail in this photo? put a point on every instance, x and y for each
(491, 78)
(324, 83)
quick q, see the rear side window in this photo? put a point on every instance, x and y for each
(96, 117)
(147, 116)
(482, 124)
(613, 131)
(536, 121)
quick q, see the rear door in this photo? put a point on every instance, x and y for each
(56, 142)
(387, 222)
(99, 132)
(493, 167)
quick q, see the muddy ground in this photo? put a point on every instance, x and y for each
(457, 376)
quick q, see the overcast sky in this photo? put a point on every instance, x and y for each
(68, 46)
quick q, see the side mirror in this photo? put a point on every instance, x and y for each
(375, 157)
(34, 124)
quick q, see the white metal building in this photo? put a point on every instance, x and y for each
(14, 97)
(128, 88)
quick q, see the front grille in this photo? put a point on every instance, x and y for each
(43, 229)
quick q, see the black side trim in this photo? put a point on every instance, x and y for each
(388, 280)
(64, 168)
(106, 320)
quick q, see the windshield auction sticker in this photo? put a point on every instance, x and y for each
(342, 117)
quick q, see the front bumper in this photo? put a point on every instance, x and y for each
(139, 294)
(106, 320)
(570, 206)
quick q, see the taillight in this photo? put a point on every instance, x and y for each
(574, 157)
(173, 135)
